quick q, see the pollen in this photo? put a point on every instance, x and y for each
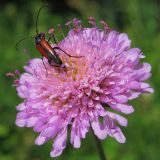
(76, 67)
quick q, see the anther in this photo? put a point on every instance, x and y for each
(10, 74)
(92, 21)
(105, 25)
(51, 32)
(61, 30)
(77, 25)
(68, 24)
(17, 72)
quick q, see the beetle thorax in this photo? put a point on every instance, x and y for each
(39, 37)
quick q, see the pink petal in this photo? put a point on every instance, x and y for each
(100, 132)
(134, 85)
(133, 55)
(56, 153)
(124, 108)
(76, 141)
(21, 107)
(118, 135)
(50, 131)
(121, 120)
(121, 98)
(40, 140)
(59, 143)
(21, 122)
(31, 121)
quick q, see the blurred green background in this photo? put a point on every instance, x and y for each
(140, 19)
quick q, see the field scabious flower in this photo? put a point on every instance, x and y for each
(85, 94)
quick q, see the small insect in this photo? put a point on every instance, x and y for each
(45, 48)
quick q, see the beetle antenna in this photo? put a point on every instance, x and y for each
(17, 44)
(20, 41)
(44, 5)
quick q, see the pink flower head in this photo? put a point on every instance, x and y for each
(107, 75)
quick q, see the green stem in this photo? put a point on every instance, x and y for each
(99, 148)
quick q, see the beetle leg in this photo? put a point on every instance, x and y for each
(57, 48)
(45, 67)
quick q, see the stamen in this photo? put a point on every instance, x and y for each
(51, 32)
(68, 24)
(16, 83)
(17, 72)
(76, 22)
(77, 25)
(106, 29)
(105, 25)
(92, 21)
(13, 74)
(10, 74)
(61, 30)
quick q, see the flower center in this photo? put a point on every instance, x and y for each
(75, 67)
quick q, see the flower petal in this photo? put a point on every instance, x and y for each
(40, 140)
(124, 108)
(59, 143)
(99, 130)
(118, 135)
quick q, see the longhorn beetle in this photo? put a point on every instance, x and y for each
(45, 48)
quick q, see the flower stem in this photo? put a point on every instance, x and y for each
(99, 148)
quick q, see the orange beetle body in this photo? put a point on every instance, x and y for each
(46, 50)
